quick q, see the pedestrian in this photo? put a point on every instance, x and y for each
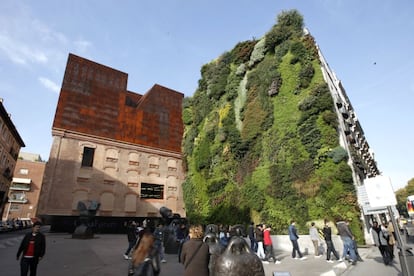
(32, 248)
(330, 248)
(159, 235)
(293, 236)
(392, 235)
(259, 238)
(380, 236)
(314, 235)
(348, 241)
(195, 254)
(182, 236)
(252, 237)
(268, 245)
(145, 260)
(132, 238)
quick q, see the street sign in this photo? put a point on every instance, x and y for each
(380, 192)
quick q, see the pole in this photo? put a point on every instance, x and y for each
(403, 248)
(8, 210)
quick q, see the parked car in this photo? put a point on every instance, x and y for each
(3, 226)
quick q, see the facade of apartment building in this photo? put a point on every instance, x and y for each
(25, 187)
(112, 148)
(10, 144)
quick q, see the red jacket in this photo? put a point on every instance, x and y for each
(267, 240)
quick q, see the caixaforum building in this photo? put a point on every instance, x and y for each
(113, 147)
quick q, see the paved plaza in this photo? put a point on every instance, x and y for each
(103, 255)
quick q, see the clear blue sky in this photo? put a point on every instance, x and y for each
(369, 45)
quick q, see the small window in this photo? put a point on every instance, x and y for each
(24, 171)
(152, 191)
(87, 157)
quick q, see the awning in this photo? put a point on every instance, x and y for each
(22, 180)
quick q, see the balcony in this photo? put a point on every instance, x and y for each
(20, 187)
(17, 197)
(20, 184)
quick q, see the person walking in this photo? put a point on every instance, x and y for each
(252, 237)
(293, 236)
(330, 248)
(145, 260)
(159, 241)
(380, 236)
(391, 241)
(314, 235)
(32, 248)
(348, 240)
(268, 245)
(195, 254)
(259, 238)
(132, 238)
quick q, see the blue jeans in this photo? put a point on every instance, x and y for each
(348, 246)
(131, 244)
(295, 249)
(253, 244)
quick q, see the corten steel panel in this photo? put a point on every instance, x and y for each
(94, 100)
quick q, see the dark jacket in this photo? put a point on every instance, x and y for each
(259, 235)
(196, 265)
(132, 233)
(39, 245)
(327, 233)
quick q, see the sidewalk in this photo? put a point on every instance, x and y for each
(103, 256)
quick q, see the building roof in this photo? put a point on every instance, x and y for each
(10, 125)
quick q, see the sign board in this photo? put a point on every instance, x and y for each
(281, 273)
(380, 192)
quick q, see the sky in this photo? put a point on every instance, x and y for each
(368, 44)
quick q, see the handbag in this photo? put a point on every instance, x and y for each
(141, 269)
(192, 256)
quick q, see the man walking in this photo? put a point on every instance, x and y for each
(348, 240)
(253, 242)
(33, 247)
(314, 235)
(293, 236)
(330, 248)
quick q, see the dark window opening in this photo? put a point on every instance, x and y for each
(87, 157)
(152, 191)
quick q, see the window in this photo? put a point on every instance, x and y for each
(87, 157)
(112, 155)
(24, 171)
(152, 191)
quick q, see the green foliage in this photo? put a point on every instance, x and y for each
(402, 195)
(298, 51)
(216, 185)
(338, 154)
(258, 53)
(187, 116)
(188, 141)
(202, 155)
(305, 75)
(289, 25)
(242, 51)
(252, 156)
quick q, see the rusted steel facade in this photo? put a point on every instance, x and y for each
(94, 100)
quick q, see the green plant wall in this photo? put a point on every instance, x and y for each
(261, 141)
